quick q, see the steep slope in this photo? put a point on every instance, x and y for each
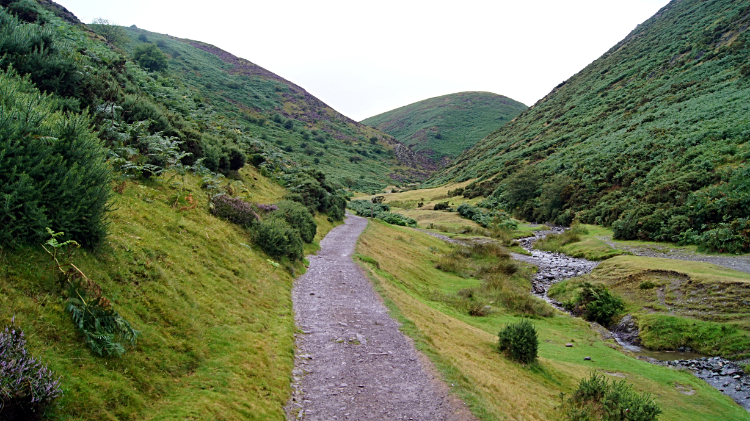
(444, 126)
(282, 114)
(651, 138)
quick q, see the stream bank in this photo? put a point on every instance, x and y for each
(724, 375)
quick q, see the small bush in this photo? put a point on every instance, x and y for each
(598, 399)
(235, 210)
(278, 239)
(441, 206)
(519, 341)
(595, 303)
(150, 57)
(299, 218)
(26, 386)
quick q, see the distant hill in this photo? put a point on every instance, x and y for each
(651, 138)
(444, 126)
(286, 117)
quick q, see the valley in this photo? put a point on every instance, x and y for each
(185, 234)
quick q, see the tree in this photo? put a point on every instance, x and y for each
(109, 30)
(150, 57)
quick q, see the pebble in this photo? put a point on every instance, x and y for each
(569, 345)
(587, 358)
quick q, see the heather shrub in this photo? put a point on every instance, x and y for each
(26, 385)
(299, 218)
(278, 239)
(598, 399)
(238, 211)
(519, 341)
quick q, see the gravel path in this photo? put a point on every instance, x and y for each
(352, 362)
(739, 263)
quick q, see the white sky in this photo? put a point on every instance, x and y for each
(367, 57)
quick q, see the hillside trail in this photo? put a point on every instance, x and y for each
(352, 362)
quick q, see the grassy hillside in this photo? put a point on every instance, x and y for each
(215, 316)
(404, 264)
(651, 138)
(445, 126)
(288, 120)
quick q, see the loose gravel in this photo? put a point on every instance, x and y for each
(352, 361)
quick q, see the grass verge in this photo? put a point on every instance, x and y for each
(464, 348)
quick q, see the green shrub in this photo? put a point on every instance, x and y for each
(519, 341)
(150, 57)
(299, 218)
(278, 239)
(598, 399)
(52, 169)
(441, 206)
(595, 303)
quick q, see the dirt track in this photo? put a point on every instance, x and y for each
(352, 362)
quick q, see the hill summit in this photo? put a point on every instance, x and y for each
(441, 128)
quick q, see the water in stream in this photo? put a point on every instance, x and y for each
(722, 374)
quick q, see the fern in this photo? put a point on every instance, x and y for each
(101, 325)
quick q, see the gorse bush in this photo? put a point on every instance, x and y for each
(487, 218)
(150, 57)
(519, 341)
(52, 168)
(278, 239)
(595, 303)
(26, 385)
(598, 399)
(298, 217)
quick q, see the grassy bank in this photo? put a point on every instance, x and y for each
(678, 303)
(464, 347)
(215, 315)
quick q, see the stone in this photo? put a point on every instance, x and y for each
(569, 345)
(587, 358)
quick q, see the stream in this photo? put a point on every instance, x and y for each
(725, 375)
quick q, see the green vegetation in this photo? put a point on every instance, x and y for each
(519, 340)
(595, 303)
(52, 167)
(586, 241)
(598, 399)
(447, 125)
(464, 347)
(709, 338)
(650, 139)
(676, 303)
(285, 124)
(377, 210)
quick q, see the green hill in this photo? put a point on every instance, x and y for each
(651, 138)
(447, 125)
(283, 115)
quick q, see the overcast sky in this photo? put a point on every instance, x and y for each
(367, 57)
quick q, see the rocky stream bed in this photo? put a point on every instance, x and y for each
(725, 375)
